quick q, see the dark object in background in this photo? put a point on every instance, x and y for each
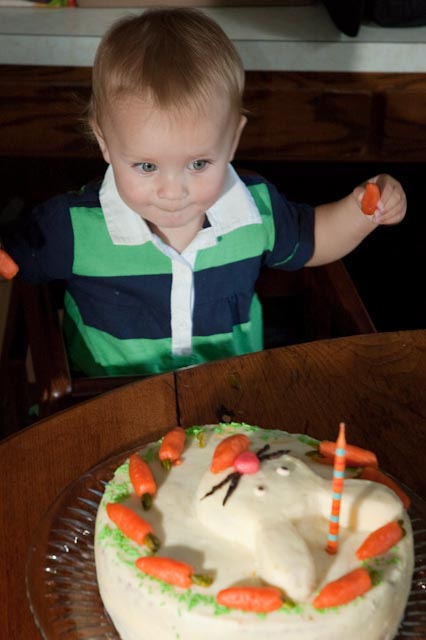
(398, 13)
(348, 14)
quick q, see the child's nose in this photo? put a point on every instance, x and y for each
(172, 187)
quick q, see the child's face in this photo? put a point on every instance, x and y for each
(169, 168)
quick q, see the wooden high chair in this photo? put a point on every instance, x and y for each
(321, 302)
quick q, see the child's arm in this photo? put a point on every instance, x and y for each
(341, 226)
(40, 244)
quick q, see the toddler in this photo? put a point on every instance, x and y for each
(161, 257)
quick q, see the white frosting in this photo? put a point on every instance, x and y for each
(275, 536)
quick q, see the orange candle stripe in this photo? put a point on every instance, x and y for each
(338, 480)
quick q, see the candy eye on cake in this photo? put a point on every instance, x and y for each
(283, 471)
(259, 491)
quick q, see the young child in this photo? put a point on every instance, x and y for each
(161, 257)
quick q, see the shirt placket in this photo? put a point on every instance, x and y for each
(181, 305)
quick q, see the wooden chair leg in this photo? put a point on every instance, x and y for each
(47, 348)
(15, 396)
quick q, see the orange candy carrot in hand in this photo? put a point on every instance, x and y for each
(142, 480)
(344, 589)
(370, 199)
(355, 456)
(171, 571)
(171, 447)
(371, 473)
(132, 525)
(256, 599)
(8, 267)
(227, 450)
(381, 540)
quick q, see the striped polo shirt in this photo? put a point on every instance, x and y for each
(134, 305)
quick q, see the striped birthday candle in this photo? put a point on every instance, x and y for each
(338, 479)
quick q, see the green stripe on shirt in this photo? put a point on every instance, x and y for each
(141, 356)
(95, 254)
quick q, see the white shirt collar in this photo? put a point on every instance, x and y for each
(235, 208)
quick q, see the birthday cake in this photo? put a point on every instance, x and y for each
(223, 531)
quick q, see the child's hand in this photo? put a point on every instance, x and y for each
(8, 267)
(392, 205)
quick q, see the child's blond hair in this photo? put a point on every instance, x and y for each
(177, 59)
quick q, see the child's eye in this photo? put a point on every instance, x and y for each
(146, 167)
(198, 165)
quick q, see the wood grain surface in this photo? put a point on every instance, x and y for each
(375, 383)
(293, 116)
(38, 463)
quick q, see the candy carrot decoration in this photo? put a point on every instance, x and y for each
(381, 540)
(132, 525)
(370, 199)
(343, 590)
(171, 571)
(314, 456)
(142, 480)
(355, 456)
(8, 267)
(227, 450)
(371, 473)
(256, 599)
(338, 479)
(171, 447)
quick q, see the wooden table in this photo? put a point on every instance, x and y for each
(375, 383)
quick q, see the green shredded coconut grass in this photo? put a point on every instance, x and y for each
(194, 431)
(308, 440)
(117, 492)
(151, 453)
(115, 538)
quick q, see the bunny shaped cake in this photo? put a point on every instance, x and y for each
(238, 550)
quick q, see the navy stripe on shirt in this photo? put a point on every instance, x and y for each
(130, 307)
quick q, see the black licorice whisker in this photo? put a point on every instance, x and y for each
(220, 484)
(234, 479)
(263, 450)
(273, 455)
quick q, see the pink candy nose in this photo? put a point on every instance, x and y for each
(246, 462)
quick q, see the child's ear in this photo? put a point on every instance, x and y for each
(101, 141)
(237, 135)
